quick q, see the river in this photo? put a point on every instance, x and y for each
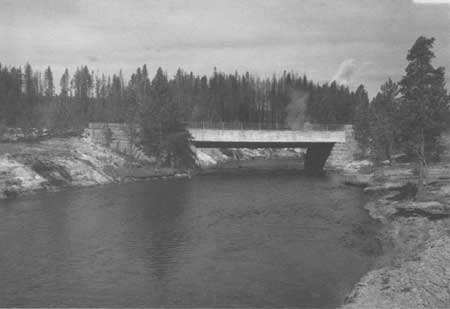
(264, 239)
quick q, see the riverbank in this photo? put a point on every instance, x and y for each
(59, 163)
(414, 271)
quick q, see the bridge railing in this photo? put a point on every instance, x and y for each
(263, 126)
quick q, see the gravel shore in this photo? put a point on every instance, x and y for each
(414, 271)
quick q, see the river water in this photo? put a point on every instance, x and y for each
(264, 239)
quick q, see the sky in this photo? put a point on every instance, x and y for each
(351, 41)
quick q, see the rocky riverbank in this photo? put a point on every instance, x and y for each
(60, 163)
(57, 163)
(414, 271)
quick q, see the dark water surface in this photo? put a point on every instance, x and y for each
(269, 239)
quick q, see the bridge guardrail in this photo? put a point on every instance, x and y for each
(263, 126)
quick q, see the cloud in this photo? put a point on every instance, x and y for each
(347, 70)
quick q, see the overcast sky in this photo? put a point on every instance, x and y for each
(353, 41)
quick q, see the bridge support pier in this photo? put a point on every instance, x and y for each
(316, 156)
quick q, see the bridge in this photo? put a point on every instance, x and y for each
(317, 139)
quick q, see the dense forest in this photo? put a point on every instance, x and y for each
(28, 98)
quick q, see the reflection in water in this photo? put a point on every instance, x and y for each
(220, 240)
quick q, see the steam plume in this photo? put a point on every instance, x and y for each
(346, 71)
(296, 110)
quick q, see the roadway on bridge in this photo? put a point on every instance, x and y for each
(216, 138)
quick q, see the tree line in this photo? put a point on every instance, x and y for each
(28, 98)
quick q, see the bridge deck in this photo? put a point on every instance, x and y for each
(263, 138)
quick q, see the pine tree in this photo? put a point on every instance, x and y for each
(29, 107)
(424, 106)
(383, 120)
(49, 88)
(83, 86)
(65, 84)
(361, 125)
(164, 133)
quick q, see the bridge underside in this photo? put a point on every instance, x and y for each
(316, 154)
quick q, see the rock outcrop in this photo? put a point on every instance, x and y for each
(58, 163)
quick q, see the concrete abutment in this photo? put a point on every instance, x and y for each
(316, 156)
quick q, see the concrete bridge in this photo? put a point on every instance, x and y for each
(318, 141)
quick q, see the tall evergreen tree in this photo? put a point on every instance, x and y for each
(361, 124)
(29, 107)
(424, 106)
(164, 134)
(83, 86)
(383, 120)
(49, 87)
(65, 84)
